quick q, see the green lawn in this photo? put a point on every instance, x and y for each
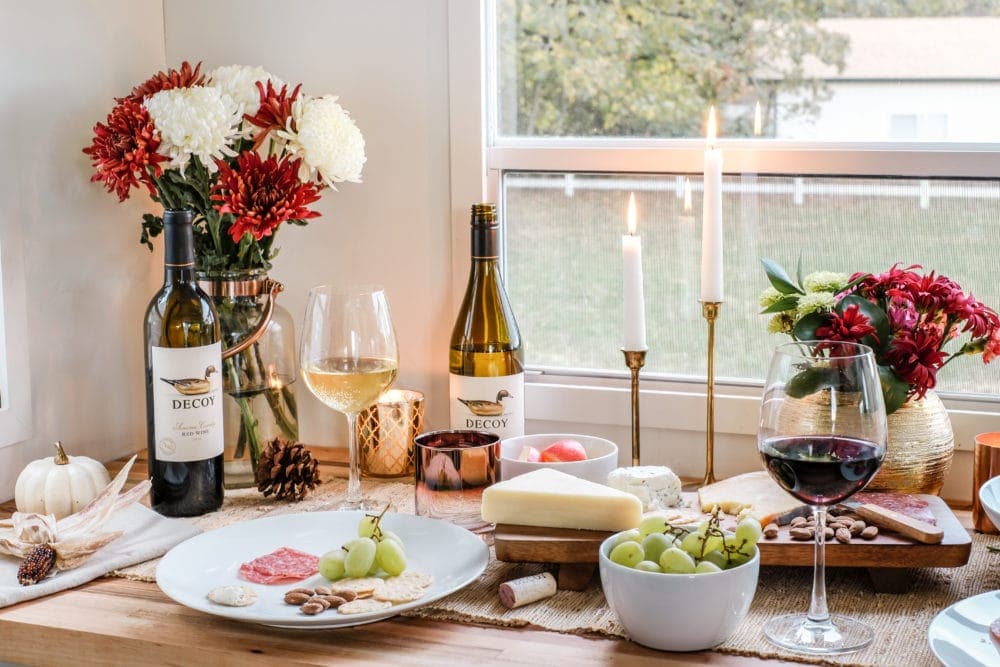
(564, 267)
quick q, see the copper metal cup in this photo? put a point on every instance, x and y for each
(986, 466)
(453, 467)
(386, 430)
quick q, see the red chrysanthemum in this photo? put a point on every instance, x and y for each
(274, 111)
(185, 77)
(992, 349)
(124, 150)
(262, 194)
(915, 358)
(851, 326)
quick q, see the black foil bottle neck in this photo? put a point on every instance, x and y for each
(178, 245)
(485, 233)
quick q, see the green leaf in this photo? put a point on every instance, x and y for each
(857, 281)
(798, 270)
(894, 390)
(779, 278)
(781, 305)
(878, 318)
(809, 382)
(805, 328)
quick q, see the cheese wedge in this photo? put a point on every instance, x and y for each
(547, 497)
(754, 491)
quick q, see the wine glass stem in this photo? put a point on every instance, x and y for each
(818, 612)
(354, 474)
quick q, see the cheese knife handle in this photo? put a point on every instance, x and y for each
(921, 531)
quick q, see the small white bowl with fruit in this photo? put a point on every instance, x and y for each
(681, 589)
(584, 456)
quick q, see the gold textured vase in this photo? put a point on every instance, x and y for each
(920, 448)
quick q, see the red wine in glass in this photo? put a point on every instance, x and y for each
(821, 469)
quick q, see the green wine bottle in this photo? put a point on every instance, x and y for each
(486, 360)
(183, 386)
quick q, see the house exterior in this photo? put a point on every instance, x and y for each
(931, 78)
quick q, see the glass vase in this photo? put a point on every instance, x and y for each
(258, 368)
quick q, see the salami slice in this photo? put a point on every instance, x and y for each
(912, 506)
(281, 566)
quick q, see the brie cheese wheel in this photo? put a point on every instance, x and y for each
(755, 492)
(656, 486)
(547, 497)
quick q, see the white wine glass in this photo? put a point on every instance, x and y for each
(822, 437)
(348, 358)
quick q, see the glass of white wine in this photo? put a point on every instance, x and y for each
(348, 358)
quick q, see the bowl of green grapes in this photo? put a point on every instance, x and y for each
(681, 588)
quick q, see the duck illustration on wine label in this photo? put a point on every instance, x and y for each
(193, 386)
(482, 408)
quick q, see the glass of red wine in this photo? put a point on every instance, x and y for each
(822, 438)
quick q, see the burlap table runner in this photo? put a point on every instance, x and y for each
(900, 620)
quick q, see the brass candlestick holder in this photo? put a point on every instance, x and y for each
(710, 311)
(635, 360)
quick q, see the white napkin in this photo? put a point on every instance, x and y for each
(147, 535)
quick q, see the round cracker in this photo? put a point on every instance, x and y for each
(399, 591)
(363, 606)
(362, 586)
(422, 579)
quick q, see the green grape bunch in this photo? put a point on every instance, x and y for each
(659, 546)
(373, 552)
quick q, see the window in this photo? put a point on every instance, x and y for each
(853, 137)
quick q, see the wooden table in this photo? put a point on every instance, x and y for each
(121, 622)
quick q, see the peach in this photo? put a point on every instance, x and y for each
(562, 451)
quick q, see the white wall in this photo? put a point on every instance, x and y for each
(388, 63)
(87, 278)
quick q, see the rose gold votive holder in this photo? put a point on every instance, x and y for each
(985, 467)
(386, 430)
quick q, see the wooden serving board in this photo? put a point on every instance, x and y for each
(887, 552)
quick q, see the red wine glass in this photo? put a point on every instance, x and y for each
(822, 437)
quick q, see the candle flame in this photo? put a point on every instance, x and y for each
(687, 195)
(712, 129)
(758, 124)
(631, 214)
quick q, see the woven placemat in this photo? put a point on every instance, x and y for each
(900, 620)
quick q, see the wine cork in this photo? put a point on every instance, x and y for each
(986, 465)
(519, 592)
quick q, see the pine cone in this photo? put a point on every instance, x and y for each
(286, 470)
(36, 565)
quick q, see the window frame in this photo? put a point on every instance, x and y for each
(480, 156)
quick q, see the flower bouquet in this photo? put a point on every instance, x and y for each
(915, 323)
(247, 154)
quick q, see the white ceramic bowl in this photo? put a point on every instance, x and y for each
(989, 498)
(678, 612)
(602, 456)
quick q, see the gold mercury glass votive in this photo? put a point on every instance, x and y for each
(386, 430)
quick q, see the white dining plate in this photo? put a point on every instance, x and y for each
(960, 635)
(453, 555)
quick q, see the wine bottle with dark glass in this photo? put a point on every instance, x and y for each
(486, 359)
(183, 385)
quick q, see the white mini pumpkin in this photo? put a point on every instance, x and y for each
(60, 485)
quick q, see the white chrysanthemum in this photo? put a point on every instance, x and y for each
(815, 302)
(197, 121)
(239, 82)
(825, 281)
(769, 297)
(329, 143)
